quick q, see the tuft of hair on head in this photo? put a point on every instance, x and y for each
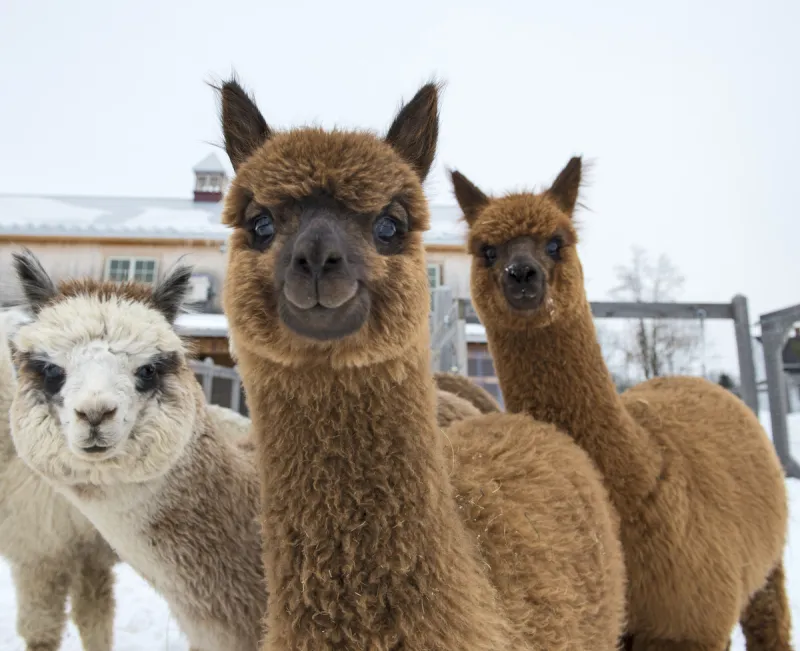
(169, 295)
(469, 196)
(37, 286)
(415, 130)
(565, 189)
(243, 126)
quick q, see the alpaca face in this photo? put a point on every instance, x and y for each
(103, 394)
(525, 267)
(326, 262)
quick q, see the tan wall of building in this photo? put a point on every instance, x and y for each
(82, 258)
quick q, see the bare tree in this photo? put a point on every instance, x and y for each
(655, 347)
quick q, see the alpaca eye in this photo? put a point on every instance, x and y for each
(553, 248)
(52, 372)
(146, 372)
(146, 377)
(385, 229)
(489, 254)
(54, 377)
(264, 229)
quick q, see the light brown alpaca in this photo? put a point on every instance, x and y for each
(696, 481)
(364, 502)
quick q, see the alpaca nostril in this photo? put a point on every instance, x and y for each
(301, 263)
(522, 273)
(333, 261)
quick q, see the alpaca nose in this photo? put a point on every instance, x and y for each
(522, 273)
(96, 415)
(524, 283)
(317, 251)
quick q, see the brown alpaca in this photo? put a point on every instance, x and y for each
(464, 388)
(364, 502)
(696, 481)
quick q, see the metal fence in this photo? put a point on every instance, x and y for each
(775, 327)
(448, 336)
(223, 386)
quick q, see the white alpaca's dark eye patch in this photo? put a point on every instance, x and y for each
(46, 376)
(151, 376)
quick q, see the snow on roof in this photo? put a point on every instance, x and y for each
(475, 333)
(447, 227)
(210, 164)
(111, 217)
(145, 218)
(202, 325)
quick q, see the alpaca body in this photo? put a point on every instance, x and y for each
(109, 412)
(193, 535)
(382, 531)
(53, 550)
(694, 477)
(354, 561)
(368, 565)
(451, 408)
(533, 502)
(728, 477)
(696, 481)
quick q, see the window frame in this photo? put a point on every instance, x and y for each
(439, 274)
(132, 259)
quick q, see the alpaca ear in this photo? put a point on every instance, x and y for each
(243, 125)
(415, 130)
(469, 196)
(169, 294)
(37, 286)
(565, 188)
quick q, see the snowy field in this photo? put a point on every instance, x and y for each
(143, 622)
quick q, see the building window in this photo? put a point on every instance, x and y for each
(120, 270)
(434, 275)
(144, 271)
(209, 182)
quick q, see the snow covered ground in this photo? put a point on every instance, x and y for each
(143, 622)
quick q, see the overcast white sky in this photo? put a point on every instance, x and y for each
(690, 109)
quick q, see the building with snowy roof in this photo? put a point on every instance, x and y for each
(138, 238)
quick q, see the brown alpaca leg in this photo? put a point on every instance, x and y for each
(41, 605)
(92, 596)
(766, 621)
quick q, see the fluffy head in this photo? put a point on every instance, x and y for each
(326, 261)
(105, 392)
(525, 266)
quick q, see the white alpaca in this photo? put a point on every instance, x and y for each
(52, 549)
(109, 411)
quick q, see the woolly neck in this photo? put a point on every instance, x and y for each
(557, 374)
(363, 544)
